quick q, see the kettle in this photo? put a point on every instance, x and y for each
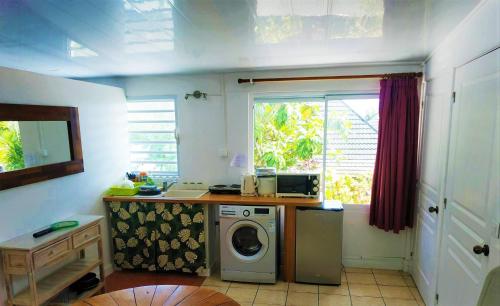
(248, 185)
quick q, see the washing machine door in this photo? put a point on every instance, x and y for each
(247, 240)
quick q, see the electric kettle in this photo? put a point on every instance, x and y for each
(248, 185)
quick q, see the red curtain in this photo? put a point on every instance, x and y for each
(395, 174)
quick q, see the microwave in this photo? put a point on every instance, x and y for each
(303, 185)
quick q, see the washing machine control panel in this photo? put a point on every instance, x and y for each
(239, 211)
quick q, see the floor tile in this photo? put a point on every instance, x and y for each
(279, 286)
(295, 287)
(364, 290)
(360, 278)
(218, 289)
(366, 301)
(357, 270)
(387, 271)
(416, 294)
(269, 297)
(244, 285)
(340, 290)
(390, 280)
(400, 302)
(302, 299)
(242, 295)
(334, 300)
(215, 281)
(396, 292)
(409, 281)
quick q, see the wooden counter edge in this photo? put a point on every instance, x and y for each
(221, 199)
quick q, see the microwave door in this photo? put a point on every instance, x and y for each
(293, 184)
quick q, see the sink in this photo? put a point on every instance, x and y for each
(184, 194)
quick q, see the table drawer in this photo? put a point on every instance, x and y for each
(85, 236)
(15, 262)
(51, 253)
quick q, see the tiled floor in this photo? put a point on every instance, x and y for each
(360, 287)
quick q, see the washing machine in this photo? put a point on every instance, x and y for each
(248, 243)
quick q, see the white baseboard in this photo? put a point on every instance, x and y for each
(390, 263)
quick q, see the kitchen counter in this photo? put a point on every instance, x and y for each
(290, 205)
(221, 199)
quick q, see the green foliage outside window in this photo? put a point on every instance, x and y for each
(352, 189)
(289, 136)
(11, 148)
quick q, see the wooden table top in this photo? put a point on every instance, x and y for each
(222, 199)
(162, 295)
(26, 242)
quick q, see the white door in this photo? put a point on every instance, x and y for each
(429, 190)
(471, 182)
(426, 243)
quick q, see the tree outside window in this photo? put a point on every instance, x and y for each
(290, 137)
(11, 148)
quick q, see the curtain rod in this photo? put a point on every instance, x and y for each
(331, 77)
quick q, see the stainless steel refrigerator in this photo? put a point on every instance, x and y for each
(318, 257)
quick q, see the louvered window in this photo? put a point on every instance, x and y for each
(152, 136)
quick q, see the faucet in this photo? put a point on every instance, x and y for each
(167, 185)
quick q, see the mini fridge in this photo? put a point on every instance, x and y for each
(318, 257)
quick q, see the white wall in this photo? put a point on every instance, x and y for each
(104, 141)
(202, 131)
(478, 33)
(44, 142)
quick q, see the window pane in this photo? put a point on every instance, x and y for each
(141, 137)
(149, 167)
(147, 126)
(153, 156)
(150, 105)
(289, 136)
(352, 133)
(153, 146)
(151, 116)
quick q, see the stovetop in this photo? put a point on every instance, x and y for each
(225, 189)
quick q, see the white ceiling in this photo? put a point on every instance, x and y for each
(86, 38)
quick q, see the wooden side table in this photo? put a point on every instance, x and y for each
(163, 295)
(28, 256)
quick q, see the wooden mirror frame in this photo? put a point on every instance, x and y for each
(26, 112)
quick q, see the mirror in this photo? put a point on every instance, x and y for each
(26, 144)
(38, 143)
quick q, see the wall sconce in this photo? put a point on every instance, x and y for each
(196, 94)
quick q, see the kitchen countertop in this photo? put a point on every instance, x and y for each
(222, 199)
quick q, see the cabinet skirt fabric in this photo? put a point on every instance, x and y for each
(158, 236)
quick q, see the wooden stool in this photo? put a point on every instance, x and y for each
(161, 295)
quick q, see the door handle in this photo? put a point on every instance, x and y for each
(482, 249)
(434, 209)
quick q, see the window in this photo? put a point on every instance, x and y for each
(334, 135)
(152, 138)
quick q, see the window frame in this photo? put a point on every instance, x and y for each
(158, 98)
(254, 98)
